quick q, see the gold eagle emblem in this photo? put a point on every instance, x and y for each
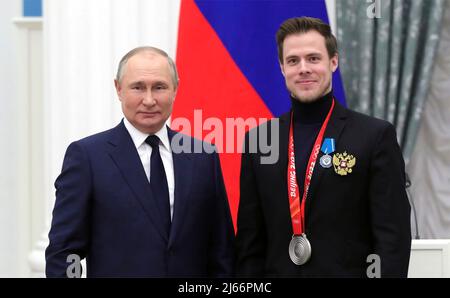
(343, 163)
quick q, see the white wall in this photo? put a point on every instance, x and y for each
(13, 244)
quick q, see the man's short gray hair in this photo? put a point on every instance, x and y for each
(124, 60)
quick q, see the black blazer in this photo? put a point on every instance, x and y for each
(347, 217)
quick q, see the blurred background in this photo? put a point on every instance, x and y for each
(59, 57)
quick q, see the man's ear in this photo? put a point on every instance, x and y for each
(282, 69)
(118, 88)
(334, 62)
(175, 94)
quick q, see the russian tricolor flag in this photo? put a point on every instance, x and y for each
(227, 61)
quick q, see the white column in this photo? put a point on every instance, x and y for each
(28, 130)
(15, 225)
(83, 43)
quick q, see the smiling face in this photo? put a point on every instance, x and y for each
(147, 91)
(306, 66)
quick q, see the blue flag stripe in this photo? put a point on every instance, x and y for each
(247, 29)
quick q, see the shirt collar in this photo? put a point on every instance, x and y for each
(139, 137)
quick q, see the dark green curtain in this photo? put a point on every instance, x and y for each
(386, 62)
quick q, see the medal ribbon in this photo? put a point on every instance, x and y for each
(297, 211)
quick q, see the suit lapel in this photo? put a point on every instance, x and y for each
(333, 130)
(124, 154)
(183, 168)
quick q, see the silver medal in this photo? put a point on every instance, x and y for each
(325, 161)
(299, 249)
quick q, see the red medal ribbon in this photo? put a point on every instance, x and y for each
(297, 211)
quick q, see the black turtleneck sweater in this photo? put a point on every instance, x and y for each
(308, 119)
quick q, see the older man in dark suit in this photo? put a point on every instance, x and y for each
(130, 202)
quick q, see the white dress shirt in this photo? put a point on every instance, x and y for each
(145, 151)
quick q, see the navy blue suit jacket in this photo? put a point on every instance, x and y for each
(104, 212)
